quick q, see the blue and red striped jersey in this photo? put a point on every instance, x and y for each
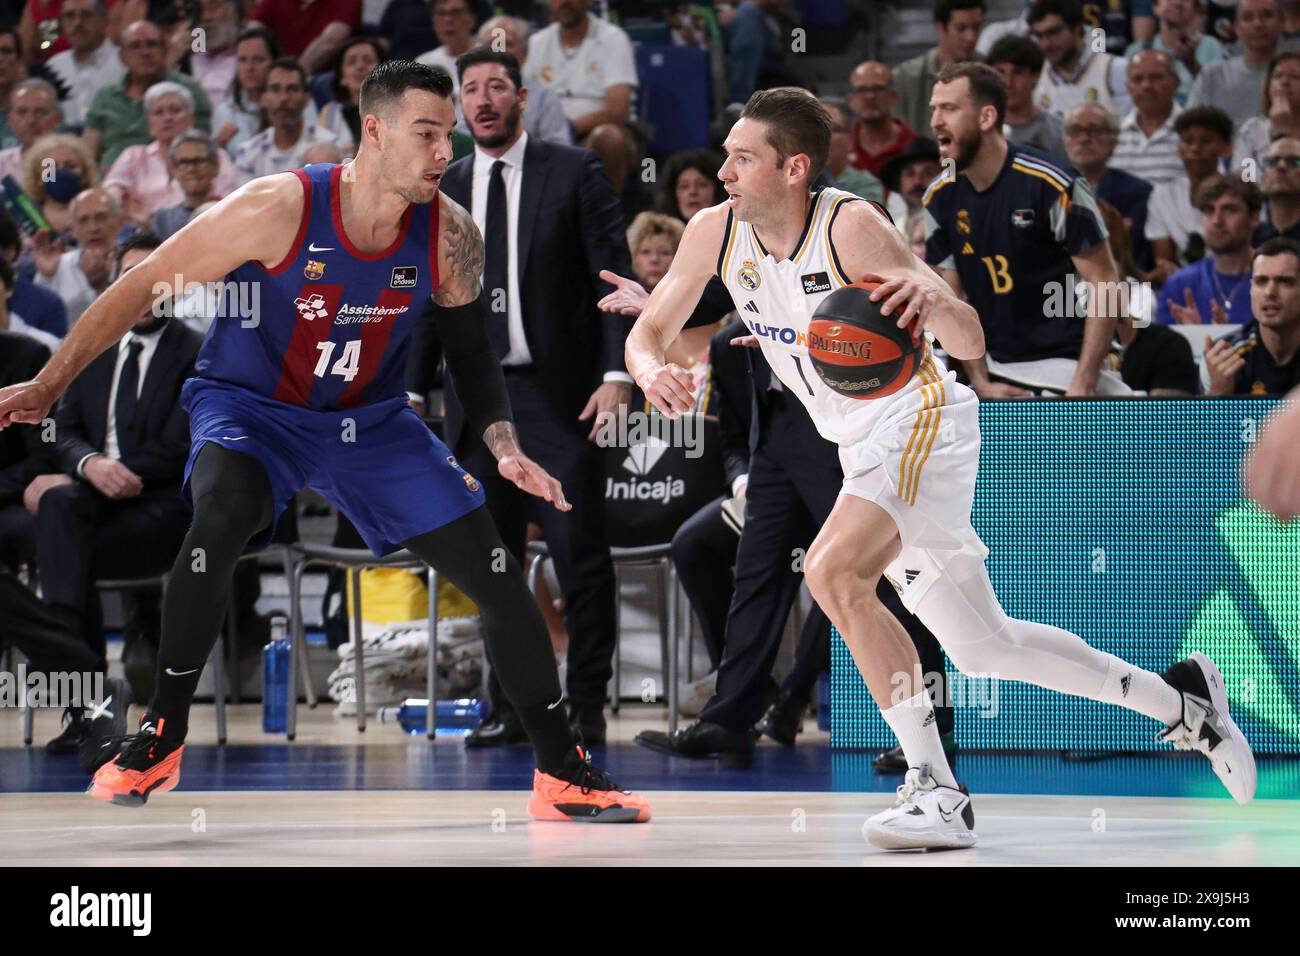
(332, 325)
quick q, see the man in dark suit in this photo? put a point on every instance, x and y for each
(113, 507)
(21, 357)
(550, 222)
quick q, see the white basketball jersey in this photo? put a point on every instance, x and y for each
(1091, 87)
(776, 300)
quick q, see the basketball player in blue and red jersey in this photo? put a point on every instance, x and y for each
(309, 392)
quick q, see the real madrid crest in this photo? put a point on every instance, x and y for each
(749, 277)
(314, 269)
(963, 222)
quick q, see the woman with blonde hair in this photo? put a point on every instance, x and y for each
(56, 168)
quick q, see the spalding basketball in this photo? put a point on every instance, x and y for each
(858, 352)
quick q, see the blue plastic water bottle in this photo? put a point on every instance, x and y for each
(457, 717)
(275, 679)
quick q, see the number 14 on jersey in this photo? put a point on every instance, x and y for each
(349, 362)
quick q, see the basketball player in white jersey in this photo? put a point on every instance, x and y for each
(910, 462)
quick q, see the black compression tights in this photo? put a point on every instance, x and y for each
(232, 502)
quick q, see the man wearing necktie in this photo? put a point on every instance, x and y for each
(550, 222)
(110, 504)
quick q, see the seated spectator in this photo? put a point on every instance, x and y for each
(323, 153)
(14, 323)
(1263, 357)
(877, 135)
(588, 63)
(1281, 185)
(1216, 289)
(408, 28)
(755, 41)
(1020, 62)
(1074, 73)
(907, 176)
(117, 117)
(113, 500)
(92, 60)
(240, 117)
(838, 172)
(41, 30)
(21, 448)
(1173, 220)
(1236, 85)
(453, 22)
(52, 191)
(214, 66)
(79, 275)
(11, 71)
(141, 179)
(1180, 36)
(690, 183)
(544, 117)
(1154, 359)
(35, 113)
(1281, 115)
(358, 57)
(194, 160)
(312, 35)
(652, 239)
(958, 24)
(1091, 134)
(1148, 143)
(281, 145)
(37, 306)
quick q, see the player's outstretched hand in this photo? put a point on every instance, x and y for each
(748, 341)
(533, 478)
(670, 388)
(26, 403)
(910, 297)
(628, 298)
(1271, 473)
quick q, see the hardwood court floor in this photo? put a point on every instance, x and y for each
(340, 798)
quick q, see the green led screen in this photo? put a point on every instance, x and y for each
(1122, 521)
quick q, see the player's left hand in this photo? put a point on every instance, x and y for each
(1271, 473)
(607, 401)
(628, 298)
(531, 477)
(911, 296)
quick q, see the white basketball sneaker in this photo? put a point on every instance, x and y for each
(1207, 727)
(925, 816)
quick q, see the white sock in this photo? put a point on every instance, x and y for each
(1143, 691)
(913, 723)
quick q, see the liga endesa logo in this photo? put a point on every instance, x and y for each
(75, 909)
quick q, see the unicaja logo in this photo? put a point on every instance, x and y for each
(640, 461)
(75, 909)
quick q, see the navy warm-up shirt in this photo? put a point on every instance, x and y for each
(1011, 245)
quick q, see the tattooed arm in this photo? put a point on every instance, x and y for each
(461, 317)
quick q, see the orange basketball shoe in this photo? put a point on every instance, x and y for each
(588, 796)
(146, 764)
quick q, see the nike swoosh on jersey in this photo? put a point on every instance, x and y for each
(180, 673)
(315, 248)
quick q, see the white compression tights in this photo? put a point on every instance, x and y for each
(966, 617)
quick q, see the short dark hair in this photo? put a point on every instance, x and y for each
(987, 88)
(1205, 117)
(10, 237)
(485, 54)
(144, 239)
(796, 123)
(1277, 246)
(1067, 10)
(1019, 51)
(289, 63)
(18, 39)
(1214, 187)
(704, 161)
(6, 274)
(944, 9)
(390, 80)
